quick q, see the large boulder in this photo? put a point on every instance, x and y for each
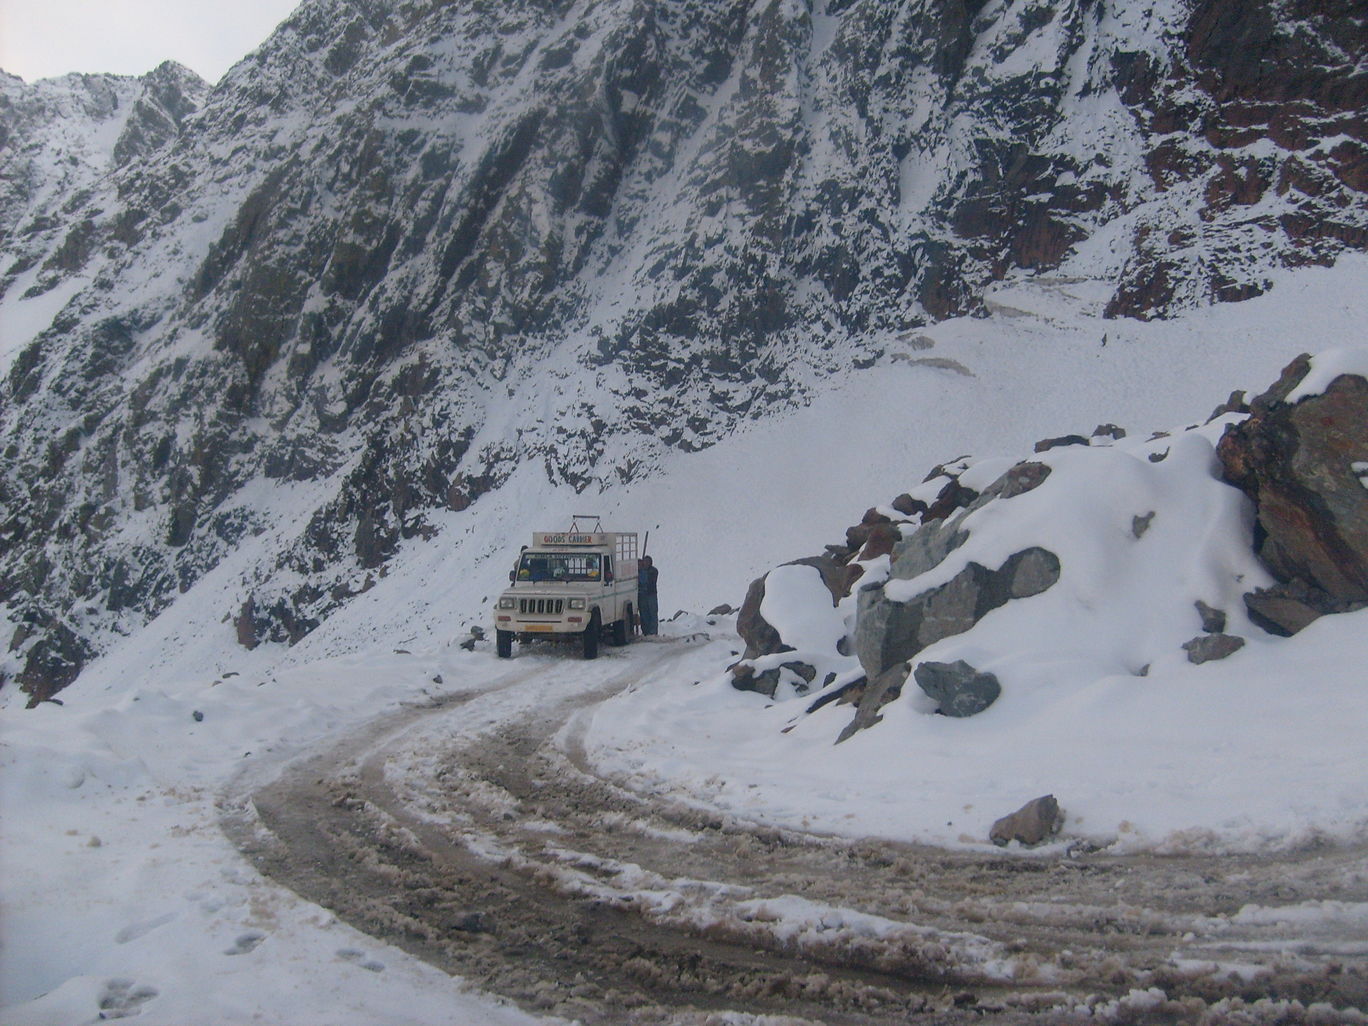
(914, 545)
(758, 633)
(1301, 459)
(762, 637)
(889, 632)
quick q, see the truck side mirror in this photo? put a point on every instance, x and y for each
(512, 577)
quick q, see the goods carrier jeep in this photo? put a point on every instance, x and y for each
(572, 585)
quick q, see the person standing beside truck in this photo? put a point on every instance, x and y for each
(648, 606)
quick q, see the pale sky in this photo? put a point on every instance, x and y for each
(45, 38)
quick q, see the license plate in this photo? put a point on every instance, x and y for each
(537, 627)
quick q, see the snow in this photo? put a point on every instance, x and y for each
(794, 603)
(1326, 367)
(119, 882)
(1100, 707)
(24, 318)
(120, 892)
(111, 822)
(1120, 752)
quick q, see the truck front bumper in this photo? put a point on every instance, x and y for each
(567, 625)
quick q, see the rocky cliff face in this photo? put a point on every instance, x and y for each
(407, 246)
(60, 137)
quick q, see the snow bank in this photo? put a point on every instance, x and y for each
(123, 897)
(1100, 704)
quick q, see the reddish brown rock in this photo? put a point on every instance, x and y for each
(882, 538)
(1034, 822)
(245, 625)
(954, 496)
(908, 506)
(759, 635)
(1298, 464)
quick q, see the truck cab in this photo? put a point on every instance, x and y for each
(575, 585)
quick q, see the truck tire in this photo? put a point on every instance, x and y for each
(622, 629)
(591, 636)
(503, 643)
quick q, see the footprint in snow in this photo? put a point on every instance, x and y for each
(359, 958)
(246, 943)
(124, 998)
(136, 930)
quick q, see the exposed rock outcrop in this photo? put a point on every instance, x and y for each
(917, 542)
(1208, 647)
(890, 633)
(1300, 459)
(1247, 137)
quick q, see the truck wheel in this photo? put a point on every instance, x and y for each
(503, 643)
(591, 636)
(622, 629)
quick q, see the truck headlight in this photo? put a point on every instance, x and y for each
(507, 603)
(576, 603)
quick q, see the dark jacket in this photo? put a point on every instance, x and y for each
(646, 581)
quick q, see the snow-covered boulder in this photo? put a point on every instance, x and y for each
(895, 628)
(798, 601)
(891, 630)
(1083, 562)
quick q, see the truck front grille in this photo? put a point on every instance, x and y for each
(541, 606)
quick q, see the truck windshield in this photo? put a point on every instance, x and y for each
(559, 566)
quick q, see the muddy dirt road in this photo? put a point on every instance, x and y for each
(472, 833)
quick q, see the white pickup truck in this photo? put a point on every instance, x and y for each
(570, 585)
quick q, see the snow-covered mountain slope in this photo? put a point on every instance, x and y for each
(60, 137)
(408, 255)
(60, 141)
(123, 895)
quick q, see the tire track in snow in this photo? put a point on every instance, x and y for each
(474, 834)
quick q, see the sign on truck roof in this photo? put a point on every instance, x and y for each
(622, 544)
(566, 538)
